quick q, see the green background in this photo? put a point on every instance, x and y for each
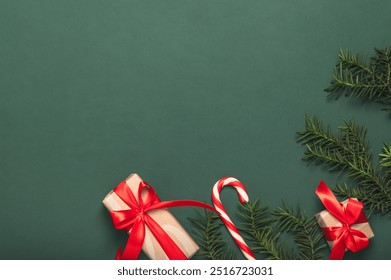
(180, 92)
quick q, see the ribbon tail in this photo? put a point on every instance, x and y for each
(181, 203)
(168, 245)
(118, 256)
(338, 250)
(134, 243)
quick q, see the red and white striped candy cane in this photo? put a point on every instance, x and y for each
(243, 197)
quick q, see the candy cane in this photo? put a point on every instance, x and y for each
(243, 197)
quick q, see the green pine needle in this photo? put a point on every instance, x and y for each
(367, 80)
(210, 239)
(305, 231)
(373, 203)
(261, 228)
(258, 230)
(386, 156)
(348, 151)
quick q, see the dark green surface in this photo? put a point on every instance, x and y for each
(181, 92)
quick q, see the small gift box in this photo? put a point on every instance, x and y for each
(326, 219)
(135, 207)
(344, 224)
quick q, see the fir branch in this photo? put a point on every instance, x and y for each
(354, 77)
(386, 156)
(262, 228)
(373, 202)
(354, 138)
(335, 151)
(306, 233)
(348, 151)
(257, 228)
(385, 162)
(353, 62)
(207, 232)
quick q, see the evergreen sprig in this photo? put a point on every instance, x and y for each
(386, 156)
(207, 231)
(352, 76)
(348, 151)
(305, 231)
(257, 228)
(261, 228)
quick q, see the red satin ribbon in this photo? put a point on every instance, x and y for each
(135, 219)
(343, 236)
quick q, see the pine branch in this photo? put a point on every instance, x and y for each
(207, 232)
(374, 203)
(262, 228)
(386, 156)
(354, 138)
(353, 62)
(385, 162)
(335, 151)
(306, 233)
(354, 77)
(348, 151)
(257, 228)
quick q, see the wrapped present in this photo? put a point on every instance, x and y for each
(344, 224)
(135, 207)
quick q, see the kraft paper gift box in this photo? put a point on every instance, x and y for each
(163, 217)
(326, 219)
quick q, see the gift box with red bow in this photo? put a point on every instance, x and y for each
(344, 224)
(135, 207)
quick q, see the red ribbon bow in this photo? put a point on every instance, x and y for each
(135, 219)
(343, 236)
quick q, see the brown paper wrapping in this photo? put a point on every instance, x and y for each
(326, 219)
(163, 217)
